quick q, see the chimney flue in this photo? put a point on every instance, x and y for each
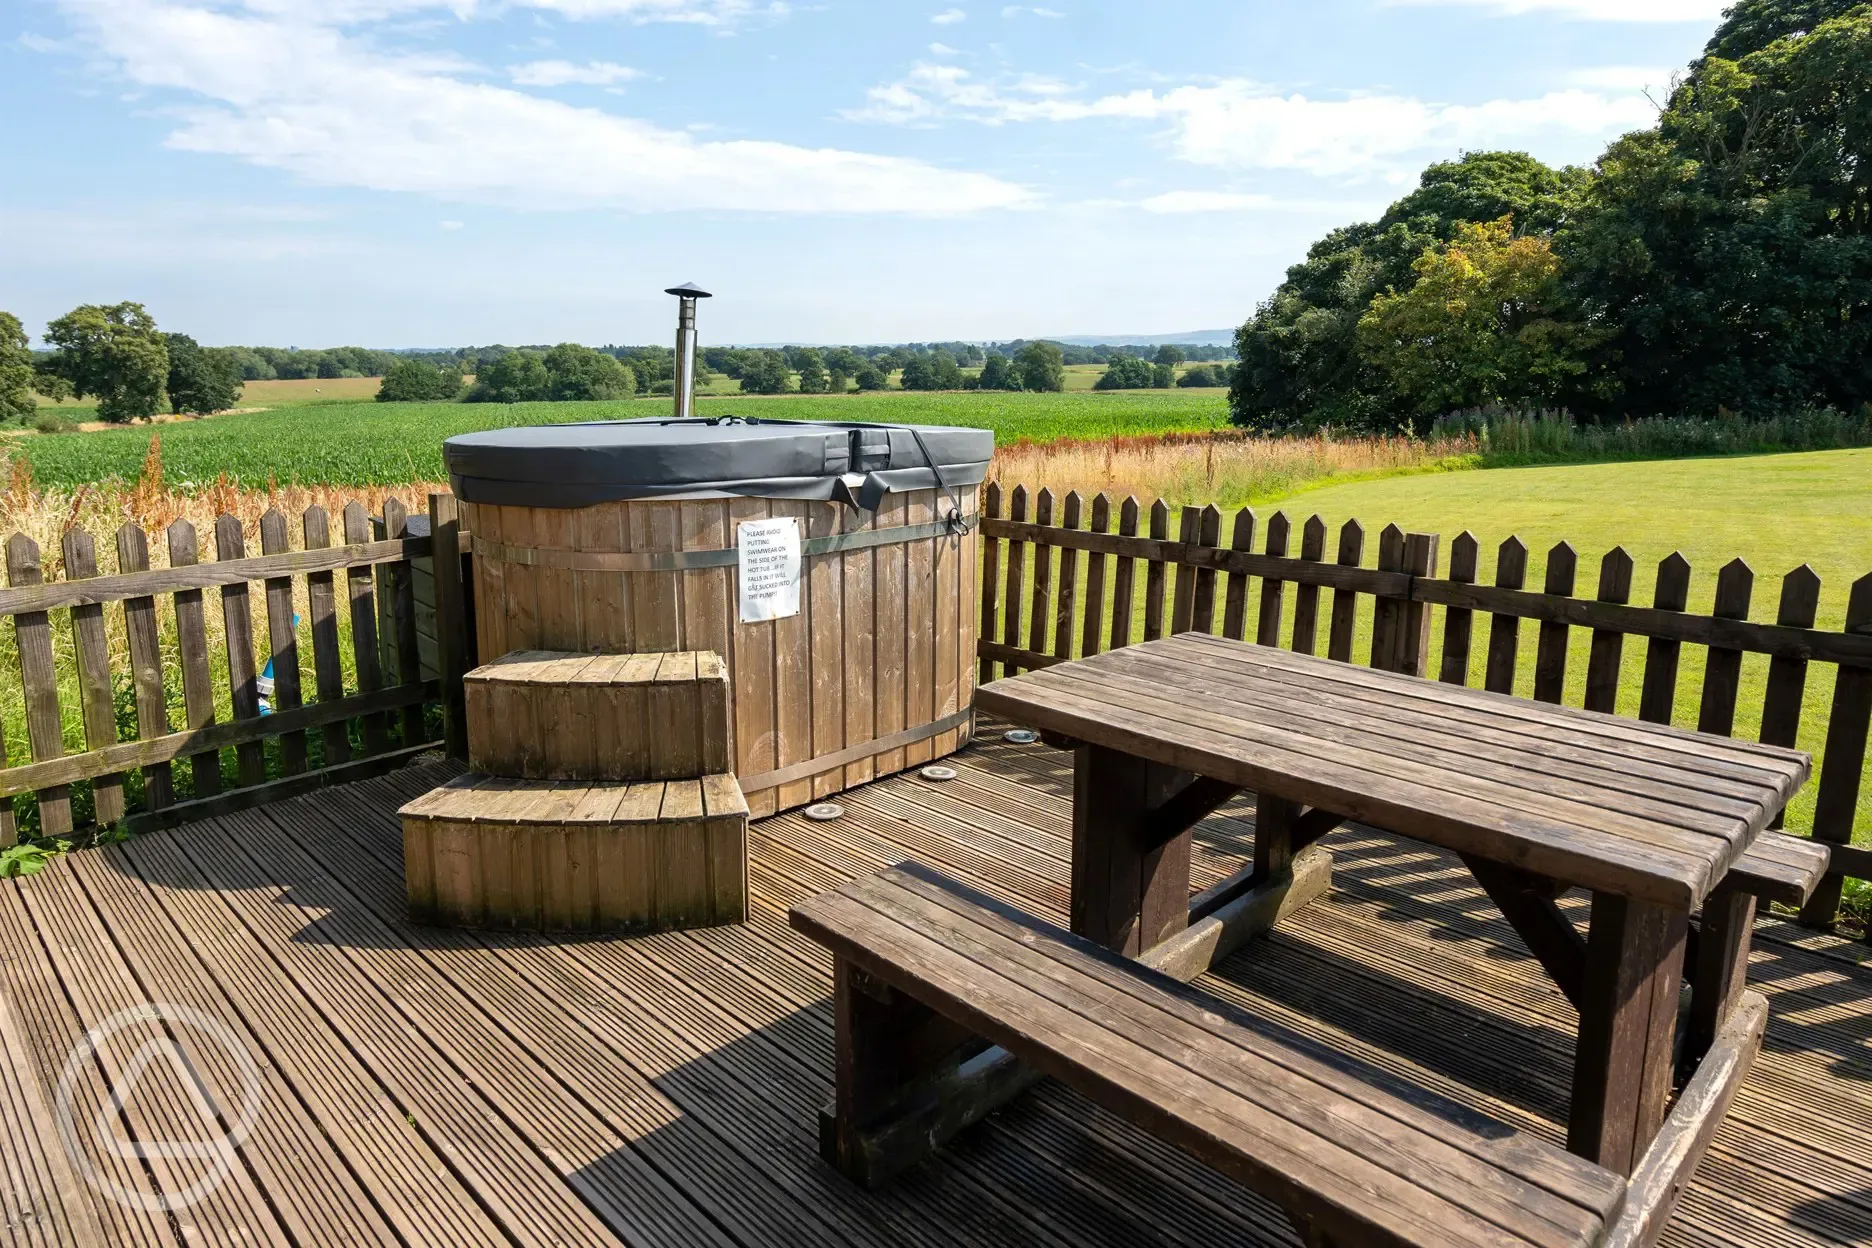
(686, 294)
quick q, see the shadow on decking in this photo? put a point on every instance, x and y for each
(711, 1052)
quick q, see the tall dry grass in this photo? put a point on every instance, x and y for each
(1226, 467)
(48, 515)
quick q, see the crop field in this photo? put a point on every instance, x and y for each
(370, 444)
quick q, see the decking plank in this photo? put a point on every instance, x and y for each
(42, 1203)
(399, 1047)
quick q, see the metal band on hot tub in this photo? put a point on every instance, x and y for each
(685, 560)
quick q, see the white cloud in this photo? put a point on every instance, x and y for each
(1240, 124)
(1237, 124)
(561, 73)
(943, 49)
(326, 107)
(350, 12)
(1702, 11)
(452, 225)
(949, 17)
(949, 92)
(1204, 201)
(1638, 79)
(1184, 203)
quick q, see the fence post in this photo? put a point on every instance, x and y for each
(1844, 760)
(1420, 560)
(451, 619)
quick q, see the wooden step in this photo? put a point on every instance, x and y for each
(545, 715)
(577, 856)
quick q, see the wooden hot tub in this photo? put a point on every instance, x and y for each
(627, 536)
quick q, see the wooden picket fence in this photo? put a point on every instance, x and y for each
(1089, 578)
(1066, 581)
(373, 567)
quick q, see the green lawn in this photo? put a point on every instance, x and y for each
(390, 443)
(1775, 512)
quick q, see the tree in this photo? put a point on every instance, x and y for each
(17, 374)
(932, 370)
(999, 374)
(418, 381)
(113, 353)
(1171, 355)
(201, 380)
(1127, 372)
(1728, 253)
(517, 377)
(579, 374)
(763, 372)
(1041, 367)
(1483, 324)
(1751, 25)
(812, 371)
(1300, 364)
(1163, 376)
(1201, 375)
(843, 363)
(869, 377)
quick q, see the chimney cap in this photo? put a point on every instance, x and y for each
(688, 290)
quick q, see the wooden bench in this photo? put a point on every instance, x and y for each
(927, 968)
(1779, 867)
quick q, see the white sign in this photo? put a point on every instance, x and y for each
(770, 569)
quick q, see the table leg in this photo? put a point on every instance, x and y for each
(1273, 839)
(1622, 1070)
(1721, 971)
(1129, 890)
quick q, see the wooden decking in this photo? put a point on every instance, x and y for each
(424, 1086)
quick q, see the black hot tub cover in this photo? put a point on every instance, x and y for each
(580, 465)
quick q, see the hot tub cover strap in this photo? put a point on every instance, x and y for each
(584, 464)
(685, 560)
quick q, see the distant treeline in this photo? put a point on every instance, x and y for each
(115, 354)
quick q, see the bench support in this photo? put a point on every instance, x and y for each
(1527, 902)
(1720, 968)
(1671, 1161)
(943, 1101)
(1623, 1069)
(895, 1055)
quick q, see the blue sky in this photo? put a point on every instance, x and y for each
(440, 172)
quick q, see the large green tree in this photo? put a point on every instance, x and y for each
(764, 372)
(580, 374)
(114, 353)
(1300, 362)
(932, 370)
(410, 380)
(1127, 372)
(17, 401)
(1484, 323)
(1751, 25)
(1726, 256)
(517, 377)
(811, 367)
(202, 380)
(999, 374)
(1041, 367)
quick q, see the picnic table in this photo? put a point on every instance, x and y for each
(1534, 798)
